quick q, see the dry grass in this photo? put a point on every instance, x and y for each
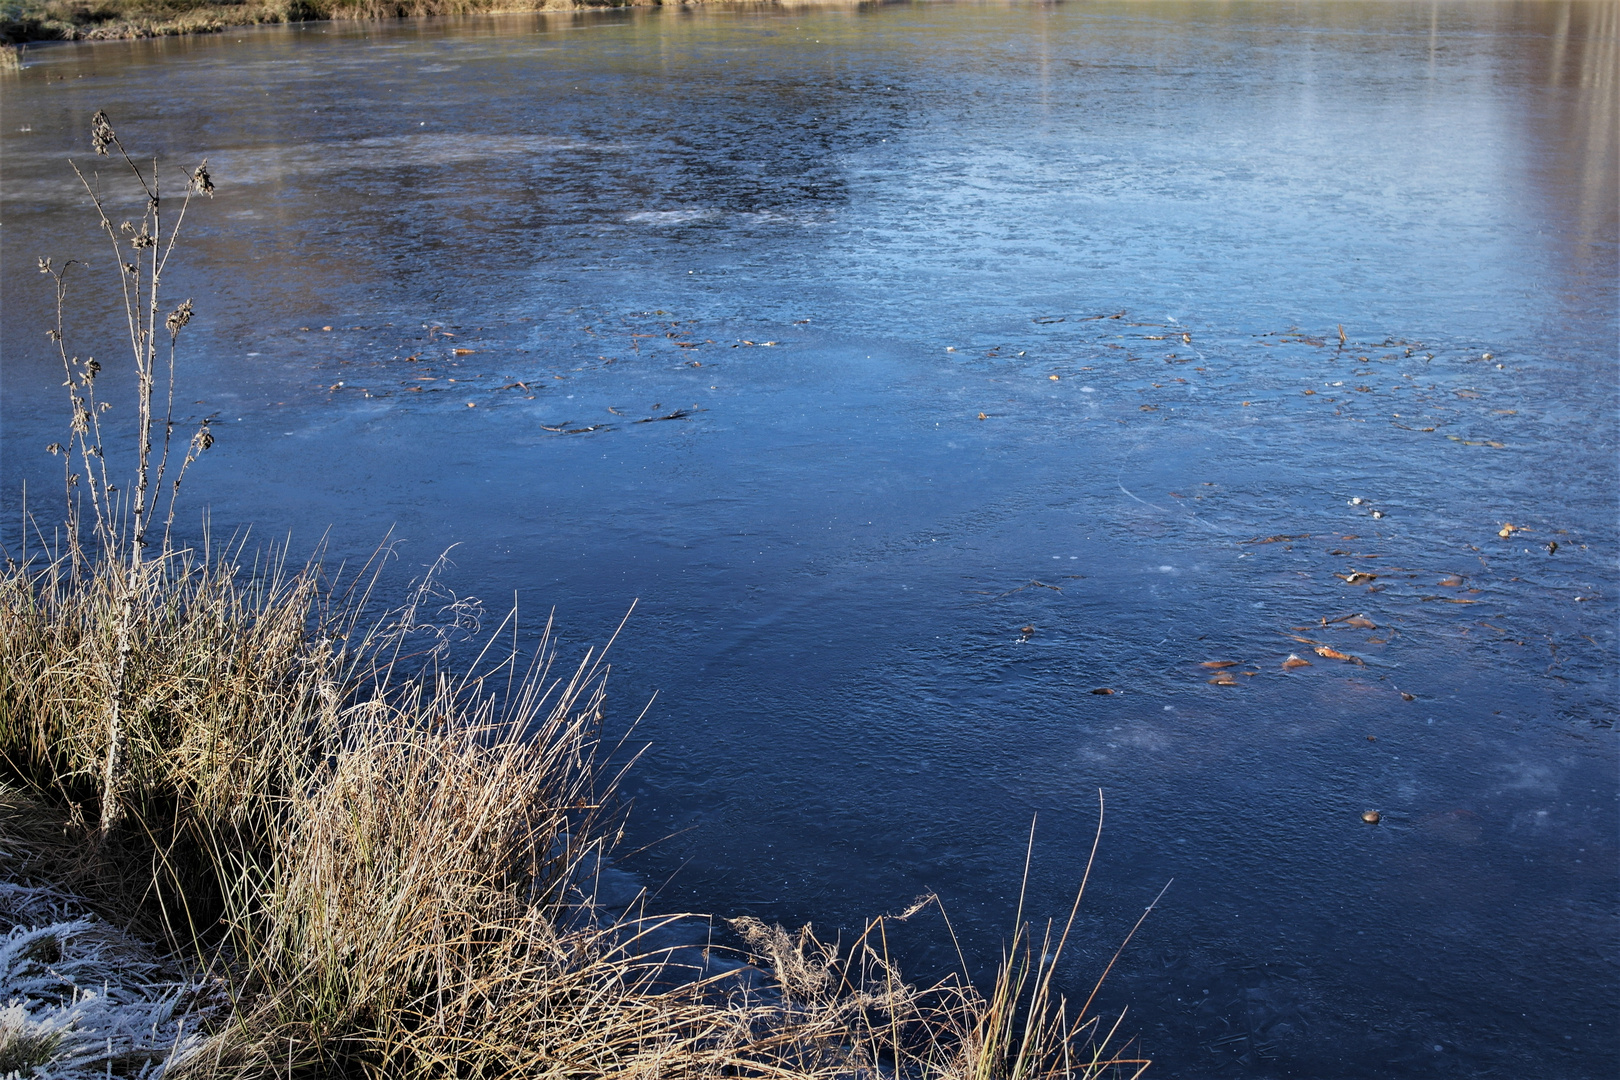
(387, 874)
(90, 20)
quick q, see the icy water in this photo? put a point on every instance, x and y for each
(998, 355)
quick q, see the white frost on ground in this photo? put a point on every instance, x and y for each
(79, 998)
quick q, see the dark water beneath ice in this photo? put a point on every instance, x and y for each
(1125, 234)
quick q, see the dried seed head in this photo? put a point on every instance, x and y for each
(916, 906)
(202, 440)
(202, 183)
(101, 132)
(126, 227)
(54, 449)
(178, 318)
(44, 266)
(129, 268)
(80, 425)
(142, 239)
(91, 367)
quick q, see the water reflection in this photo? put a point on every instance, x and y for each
(1577, 149)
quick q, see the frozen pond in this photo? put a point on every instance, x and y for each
(971, 319)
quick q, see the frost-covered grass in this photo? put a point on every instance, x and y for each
(80, 998)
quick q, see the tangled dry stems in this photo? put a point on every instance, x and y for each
(387, 873)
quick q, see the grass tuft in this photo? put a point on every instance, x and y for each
(384, 872)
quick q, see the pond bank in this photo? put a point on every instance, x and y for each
(75, 20)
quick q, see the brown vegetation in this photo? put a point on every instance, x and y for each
(91, 20)
(384, 874)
